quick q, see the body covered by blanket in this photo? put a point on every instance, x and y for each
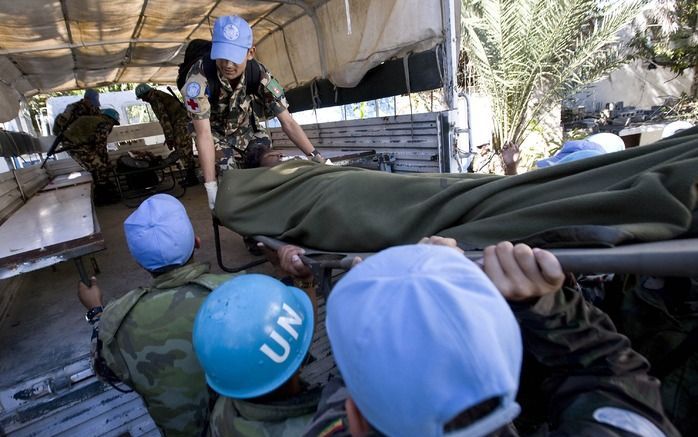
(643, 194)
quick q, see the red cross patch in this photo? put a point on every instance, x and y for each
(193, 105)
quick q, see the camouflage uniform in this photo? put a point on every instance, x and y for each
(238, 418)
(85, 140)
(230, 118)
(575, 365)
(71, 113)
(145, 339)
(174, 121)
(659, 315)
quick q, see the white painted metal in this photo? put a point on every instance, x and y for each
(47, 219)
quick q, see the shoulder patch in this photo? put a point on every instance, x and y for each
(627, 421)
(193, 89)
(274, 87)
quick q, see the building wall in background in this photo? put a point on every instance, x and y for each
(635, 85)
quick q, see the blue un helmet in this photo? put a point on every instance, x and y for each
(111, 113)
(251, 335)
(142, 89)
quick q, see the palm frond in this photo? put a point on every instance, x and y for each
(518, 47)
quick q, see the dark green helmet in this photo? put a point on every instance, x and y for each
(142, 89)
(109, 112)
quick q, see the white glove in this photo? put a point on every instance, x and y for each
(211, 191)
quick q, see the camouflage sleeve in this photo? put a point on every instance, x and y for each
(63, 120)
(331, 418)
(272, 94)
(158, 103)
(194, 93)
(598, 384)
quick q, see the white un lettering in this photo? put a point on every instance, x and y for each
(287, 323)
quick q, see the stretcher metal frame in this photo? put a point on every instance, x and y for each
(678, 257)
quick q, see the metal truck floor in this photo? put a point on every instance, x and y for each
(44, 331)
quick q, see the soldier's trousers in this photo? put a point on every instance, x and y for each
(183, 144)
(93, 158)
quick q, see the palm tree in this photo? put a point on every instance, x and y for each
(667, 35)
(527, 54)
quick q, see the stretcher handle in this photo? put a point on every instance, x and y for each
(660, 258)
(344, 263)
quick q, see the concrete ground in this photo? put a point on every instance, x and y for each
(45, 328)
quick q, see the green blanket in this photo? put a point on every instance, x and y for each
(642, 194)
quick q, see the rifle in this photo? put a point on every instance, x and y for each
(52, 149)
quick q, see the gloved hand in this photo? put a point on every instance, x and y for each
(211, 190)
(318, 158)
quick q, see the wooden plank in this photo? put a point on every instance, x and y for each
(67, 165)
(407, 130)
(416, 168)
(6, 176)
(31, 179)
(390, 120)
(9, 203)
(401, 135)
(132, 131)
(361, 144)
(8, 185)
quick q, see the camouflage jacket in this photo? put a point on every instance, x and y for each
(660, 316)
(239, 418)
(578, 371)
(172, 116)
(231, 117)
(88, 129)
(146, 341)
(71, 113)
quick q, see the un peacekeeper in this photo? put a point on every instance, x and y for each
(232, 120)
(447, 356)
(85, 140)
(174, 121)
(88, 105)
(252, 335)
(660, 316)
(144, 338)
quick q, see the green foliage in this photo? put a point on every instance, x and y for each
(667, 35)
(528, 54)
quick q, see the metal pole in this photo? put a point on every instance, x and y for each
(448, 13)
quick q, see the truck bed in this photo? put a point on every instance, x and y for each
(46, 387)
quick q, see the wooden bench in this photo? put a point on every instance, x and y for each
(46, 215)
(403, 143)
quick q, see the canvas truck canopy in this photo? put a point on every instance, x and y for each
(75, 44)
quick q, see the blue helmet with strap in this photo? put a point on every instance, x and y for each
(251, 335)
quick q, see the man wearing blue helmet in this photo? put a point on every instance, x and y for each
(429, 345)
(88, 105)
(143, 339)
(252, 335)
(226, 94)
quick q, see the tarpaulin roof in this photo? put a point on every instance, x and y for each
(60, 45)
